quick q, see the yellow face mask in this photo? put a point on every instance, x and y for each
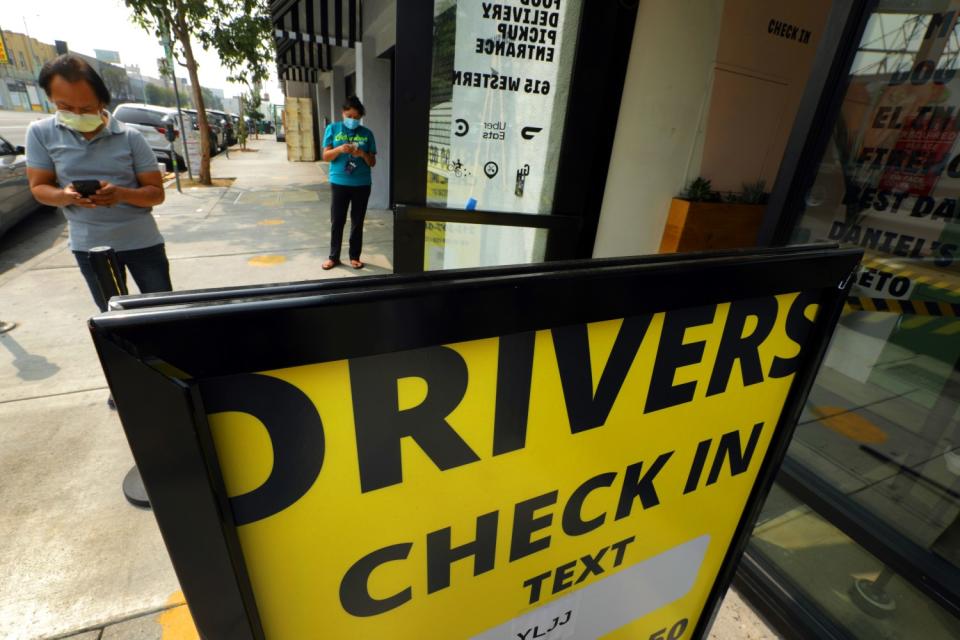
(82, 122)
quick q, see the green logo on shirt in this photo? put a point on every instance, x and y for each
(345, 137)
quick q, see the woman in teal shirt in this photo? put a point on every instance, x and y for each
(350, 149)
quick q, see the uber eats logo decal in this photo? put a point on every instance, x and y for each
(451, 489)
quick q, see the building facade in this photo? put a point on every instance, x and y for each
(116, 79)
(19, 90)
(829, 120)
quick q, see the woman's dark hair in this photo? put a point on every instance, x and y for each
(73, 69)
(353, 102)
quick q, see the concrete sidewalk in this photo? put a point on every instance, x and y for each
(76, 560)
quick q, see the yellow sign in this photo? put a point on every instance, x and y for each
(579, 482)
(4, 58)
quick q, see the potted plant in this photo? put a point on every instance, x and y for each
(702, 218)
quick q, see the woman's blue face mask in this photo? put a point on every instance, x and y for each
(351, 123)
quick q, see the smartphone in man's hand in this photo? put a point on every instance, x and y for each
(86, 188)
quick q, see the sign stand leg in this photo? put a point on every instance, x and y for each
(133, 489)
(871, 595)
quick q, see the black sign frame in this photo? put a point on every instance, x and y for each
(156, 349)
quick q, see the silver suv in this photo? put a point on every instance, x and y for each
(16, 200)
(152, 121)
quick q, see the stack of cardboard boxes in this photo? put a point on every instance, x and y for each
(301, 146)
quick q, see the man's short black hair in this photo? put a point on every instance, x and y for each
(353, 102)
(73, 69)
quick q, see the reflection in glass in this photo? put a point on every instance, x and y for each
(881, 423)
(850, 585)
(450, 244)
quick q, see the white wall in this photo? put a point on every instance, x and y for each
(337, 93)
(710, 91)
(323, 105)
(380, 23)
(373, 89)
(758, 84)
(659, 137)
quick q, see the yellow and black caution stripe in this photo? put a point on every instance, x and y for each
(935, 279)
(914, 307)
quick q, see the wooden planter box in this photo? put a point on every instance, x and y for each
(700, 226)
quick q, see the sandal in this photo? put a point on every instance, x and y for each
(356, 264)
(329, 264)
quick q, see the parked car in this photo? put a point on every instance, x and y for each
(152, 121)
(218, 137)
(225, 120)
(16, 200)
(259, 126)
(235, 122)
(278, 122)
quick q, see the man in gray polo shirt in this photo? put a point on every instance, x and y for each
(82, 142)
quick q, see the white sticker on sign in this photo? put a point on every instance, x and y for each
(505, 79)
(613, 602)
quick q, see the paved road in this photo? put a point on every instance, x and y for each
(13, 124)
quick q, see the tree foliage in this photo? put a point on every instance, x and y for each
(165, 97)
(238, 30)
(160, 96)
(163, 66)
(211, 101)
(244, 41)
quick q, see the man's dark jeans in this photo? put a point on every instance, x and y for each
(148, 266)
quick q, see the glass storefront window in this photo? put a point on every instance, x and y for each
(880, 428)
(881, 424)
(500, 82)
(850, 585)
(452, 243)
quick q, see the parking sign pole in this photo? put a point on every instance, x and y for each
(176, 169)
(168, 53)
(171, 136)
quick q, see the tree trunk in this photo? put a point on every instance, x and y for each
(182, 33)
(243, 124)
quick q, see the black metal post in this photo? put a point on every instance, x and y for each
(410, 128)
(111, 282)
(109, 272)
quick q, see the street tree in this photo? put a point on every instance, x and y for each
(242, 125)
(160, 95)
(252, 112)
(230, 27)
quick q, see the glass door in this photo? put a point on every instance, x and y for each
(496, 80)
